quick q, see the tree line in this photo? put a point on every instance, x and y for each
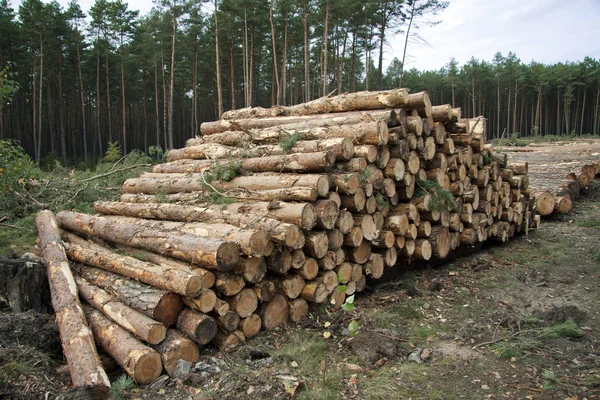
(149, 80)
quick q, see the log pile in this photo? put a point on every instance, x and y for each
(272, 210)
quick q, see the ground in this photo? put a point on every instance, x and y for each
(519, 320)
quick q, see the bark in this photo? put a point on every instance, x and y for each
(177, 183)
(177, 347)
(298, 310)
(197, 326)
(248, 121)
(205, 252)
(275, 312)
(173, 280)
(129, 319)
(251, 325)
(76, 338)
(235, 214)
(140, 362)
(218, 64)
(244, 303)
(158, 304)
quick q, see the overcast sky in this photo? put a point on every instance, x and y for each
(546, 31)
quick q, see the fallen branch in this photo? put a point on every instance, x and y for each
(115, 171)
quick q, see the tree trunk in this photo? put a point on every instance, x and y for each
(275, 89)
(173, 280)
(123, 104)
(172, 77)
(218, 63)
(325, 47)
(176, 347)
(158, 304)
(108, 113)
(77, 340)
(582, 110)
(205, 252)
(156, 111)
(412, 15)
(284, 60)
(129, 319)
(197, 326)
(139, 361)
(306, 52)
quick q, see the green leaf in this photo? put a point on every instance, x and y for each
(353, 327)
(341, 288)
(348, 307)
(350, 299)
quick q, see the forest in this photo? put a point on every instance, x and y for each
(78, 82)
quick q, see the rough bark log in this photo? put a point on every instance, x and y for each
(208, 253)
(176, 347)
(197, 326)
(140, 362)
(251, 325)
(76, 338)
(129, 319)
(275, 312)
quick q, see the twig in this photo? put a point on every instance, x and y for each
(115, 171)
(3, 218)
(77, 193)
(474, 126)
(11, 226)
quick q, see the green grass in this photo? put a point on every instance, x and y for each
(567, 329)
(12, 371)
(518, 348)
(592, 222)
(119, 387)
(421, 333)
(394, 382)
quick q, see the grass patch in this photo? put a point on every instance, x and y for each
(120, 387)
(593, 222)
(307, 349)
(567, 329)
(421, 332)
(394, 382)
(517, 348)
(12, 371)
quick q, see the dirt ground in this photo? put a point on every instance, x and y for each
(519, 320)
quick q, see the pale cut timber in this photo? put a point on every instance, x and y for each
(310, 269)
(328, 104)
(252, 269)
(300, 162)
(129, 319)
(158, 304)
(251, 325)
(326, 212)
(244, 303)
(293, 123)
(197, 326)
(203, 303)
(420, 102)
(423, 249)
(368, 152)
(150, 183)
(544, 202)
(205, 252)
(228, 284)
(275, 312)
(235, 214)
(173, 280)
(441, 113)
(227, 341)
(230, 321)
(208, 278)
(341, 147)
(140, 362)
(373, 133)
(314, 291)
(285, 194)
(76, 338)
(298, 310)
(176, 347)
(221, 308)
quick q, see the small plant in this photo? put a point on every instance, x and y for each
(487, 158)
(16, 168)
(567, 329)
(381, 200)
(113, 153)
(157, 153)
(349, 304)
(288, 141)
(364, 176)
(440, 199)
(120, 386)
(14, 369)
(224, 172)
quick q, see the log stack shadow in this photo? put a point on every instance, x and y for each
(272, 210)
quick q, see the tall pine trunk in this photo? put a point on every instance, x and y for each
(582, 109)
(284, 59)
(275, 88)
(123, 104)
(172, 81)
(306, 52)
(145, 110)
(325, 37)
(218, 63)
(156, 108)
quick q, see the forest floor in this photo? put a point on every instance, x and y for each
(519, 320)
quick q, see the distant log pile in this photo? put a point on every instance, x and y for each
(274, 209)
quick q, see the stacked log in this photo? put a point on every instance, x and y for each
(273, 209)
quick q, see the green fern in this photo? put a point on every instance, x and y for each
(120, 386)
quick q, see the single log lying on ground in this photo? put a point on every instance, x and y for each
(205, 252)
(175, 347)
(158, 304)
(140, 362)
(76, 338)
(129, 319)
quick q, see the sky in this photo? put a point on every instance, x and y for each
(546, 31)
